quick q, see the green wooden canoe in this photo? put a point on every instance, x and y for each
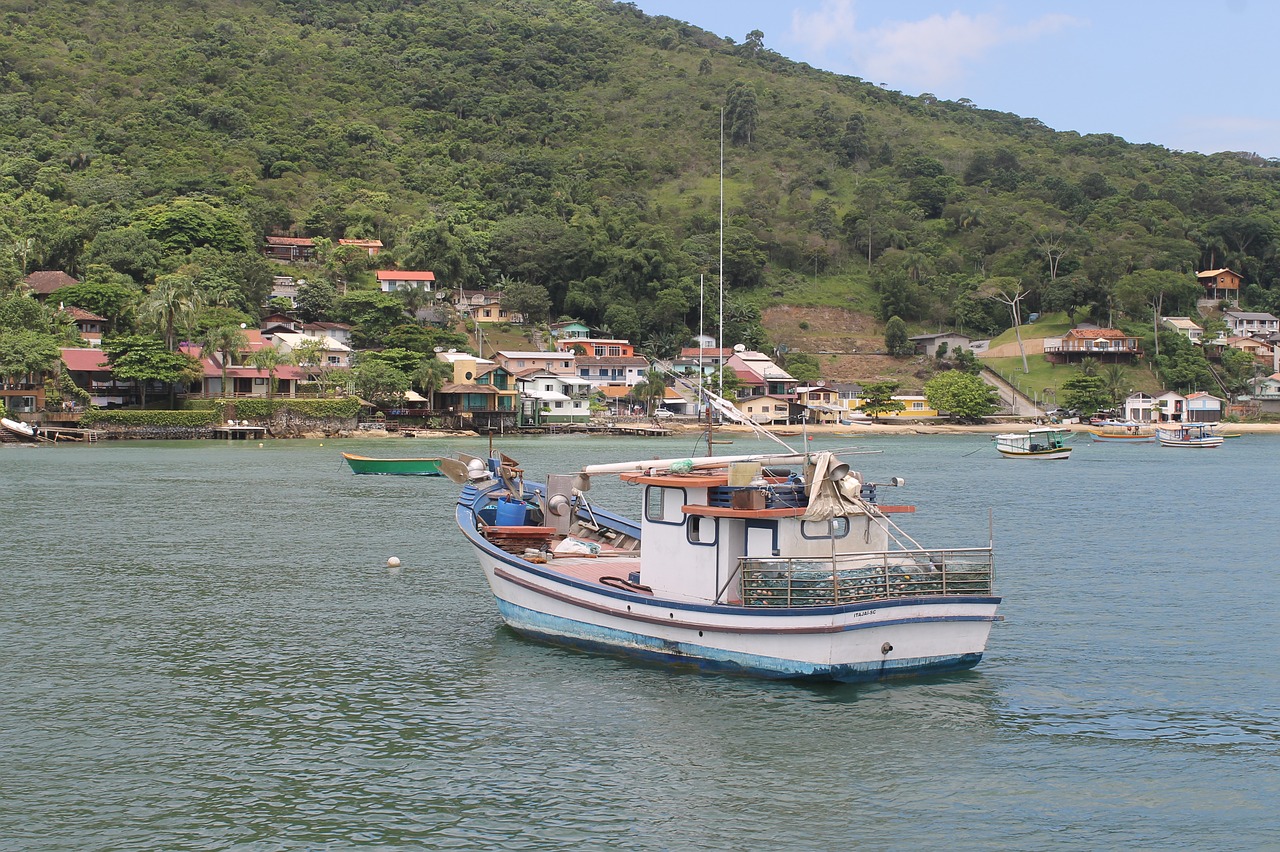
(394, 467)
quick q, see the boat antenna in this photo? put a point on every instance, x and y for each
(720, 337)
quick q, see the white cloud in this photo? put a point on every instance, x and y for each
(931, 53)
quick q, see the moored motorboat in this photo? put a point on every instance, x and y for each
(1189, 436)
(1123, 432)
(1043, 442)
(737, 564)
(393, 467)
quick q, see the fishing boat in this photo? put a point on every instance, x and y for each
(1042, 442)
(1189, 435)
(1122, 432)
(780, 566)
(23, 431)
(393, 467)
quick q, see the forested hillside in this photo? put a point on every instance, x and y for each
(574, 145)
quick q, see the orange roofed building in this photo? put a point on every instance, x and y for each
(1105, 344)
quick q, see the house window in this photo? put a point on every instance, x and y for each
(599, 350)
(917, 406)
(559, 404)
(259, 381)
(616, 351)
(488, 312)
(585, 372)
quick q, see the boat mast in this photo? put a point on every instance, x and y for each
(720, 275)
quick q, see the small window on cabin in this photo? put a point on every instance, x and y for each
(653, 500)
(701, 530)
(467, 375)
(839, 528)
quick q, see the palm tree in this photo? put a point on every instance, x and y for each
(228, 341)
(431, 375)
(270, 359)
(172, 299)
(649, 388)
(307, 354)
(1115, 381)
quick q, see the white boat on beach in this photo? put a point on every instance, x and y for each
(1189, 436)
(776, 565)
(1043, 442)
(23, 431)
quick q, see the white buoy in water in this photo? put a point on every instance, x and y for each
(393, 562)
(259, 444)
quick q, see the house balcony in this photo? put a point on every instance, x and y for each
(1066, 351)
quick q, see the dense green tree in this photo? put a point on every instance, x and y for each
(530, 300)
(896, 341)
(144, 359)
(879, 399)
(316, 299)
(26, 353)
(1152, 289)
(111, 296)
(961, 395)
(172, 301)
(803, 367)
(741, 113)
(379, 381)
(1087, 394)
(130, 251)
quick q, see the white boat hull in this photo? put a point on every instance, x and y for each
(849, 643)
(1035, 454)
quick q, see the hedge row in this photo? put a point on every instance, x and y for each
(318, 409)
(161, 418)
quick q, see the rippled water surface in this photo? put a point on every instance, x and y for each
(203, 649)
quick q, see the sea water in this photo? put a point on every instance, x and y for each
(203, 648)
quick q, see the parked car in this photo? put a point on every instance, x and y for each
(663, 413)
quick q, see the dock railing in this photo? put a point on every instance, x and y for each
(858, 577)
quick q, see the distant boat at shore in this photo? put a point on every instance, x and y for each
(393, 467)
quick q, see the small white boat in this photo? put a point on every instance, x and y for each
(1043, 442)
(25, 431)
(779, 566)
(1189, 436)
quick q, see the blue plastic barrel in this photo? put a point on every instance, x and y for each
(510, 512)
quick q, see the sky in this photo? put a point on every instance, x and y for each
(1190, 76)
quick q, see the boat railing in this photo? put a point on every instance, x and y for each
(858, 577)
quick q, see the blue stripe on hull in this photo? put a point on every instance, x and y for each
(591, 637)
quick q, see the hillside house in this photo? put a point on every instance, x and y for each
(928, 344)
(570, 329)
(1184, 326)
(339, 331)
(289, 249)
(486, 306)
(1220, 285)
(519, 363)
(1250, 323)
(1104, 344)
(397, 280)
(90, 325)
(761, 376)
(369, 247)
(45, 283)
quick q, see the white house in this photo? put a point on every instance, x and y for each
(1250, 322)
(1139, 407)
(547, 397)
(332, 353)
(520, 362)
(339, 331)
(767, 409)
(395, 280)
(1169, 406)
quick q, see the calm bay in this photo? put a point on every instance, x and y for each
(204, 649)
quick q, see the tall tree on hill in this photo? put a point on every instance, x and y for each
(741, 113)
(172, 299)
(1009, 292)
(1152, 288)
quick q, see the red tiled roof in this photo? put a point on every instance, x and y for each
(361, 243)
(404, 275)
(1097, 334)
(692, 352)
(48, 282)
(85, 360)
(290, 241)
(81, 315)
